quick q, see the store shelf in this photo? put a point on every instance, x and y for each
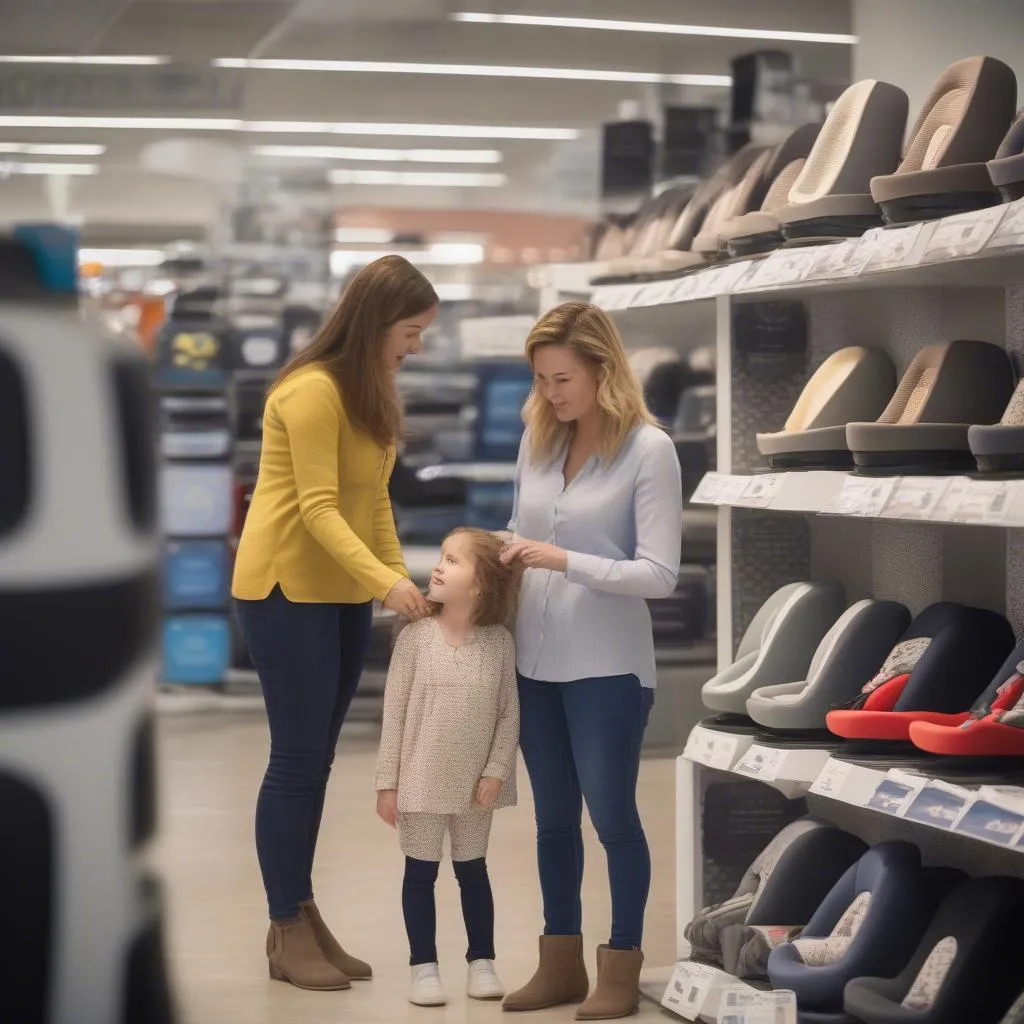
(930, 499)
(945, 796)
(473, 472)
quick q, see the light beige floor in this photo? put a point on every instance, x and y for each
(210, 769)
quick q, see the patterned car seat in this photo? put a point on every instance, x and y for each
(779, 892)
(966, 968)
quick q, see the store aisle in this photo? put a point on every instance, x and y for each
(210, 766)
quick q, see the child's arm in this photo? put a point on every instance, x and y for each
(396, 700)
(501, 761)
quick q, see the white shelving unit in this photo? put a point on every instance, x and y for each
(913, 539)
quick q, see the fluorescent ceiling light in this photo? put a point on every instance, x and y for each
(8, 168)
(452, 292)
(430, 179)
(439, 254)
(217, 124)
(122, 257)
(544, 21)
(364, 236)
(52, 148)
(416, 156)
(88, 58)
(472, 70)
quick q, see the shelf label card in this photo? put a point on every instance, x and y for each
(860, 255)
(708, 489)
(963, 234)
(711, 749)
(782, 267)
(862, 496)
(831, 778)
(830, 259)
(986, 502)
(956, 490)
(939, 804)
(683, 288)
(895, 248)
(734, 275)
(896, 792)
(763, 763)
(994, 824)
(743, 1005)
(915, 497)
(761, 491)
(1010, 233)
(689, 987)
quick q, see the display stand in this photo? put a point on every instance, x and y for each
(916, 540)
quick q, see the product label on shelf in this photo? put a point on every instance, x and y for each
(986, 502)
(860, 256)
(782, 267)
(720, 489)
(761, 491)
(896, 792)
(732, 277)
(1010, 233)
(743, 1005)
(689, 988)
(994, 824)
(963, 234)
(895, 248)
(915, 497)
(862, 496)
(683, 288)
(761, 763)
(833, 775)
(711, 749)
(939, 804)
(956, 490)
(830, 259)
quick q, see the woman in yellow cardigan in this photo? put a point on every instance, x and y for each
(319, 544)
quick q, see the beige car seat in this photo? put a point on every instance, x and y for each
(1006, 171)
(944, 171)
(924, 429)
(853, 384)
(999, 448)
(862, 138)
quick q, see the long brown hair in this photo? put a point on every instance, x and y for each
(592, 335)
(348, 344)
(498, 583)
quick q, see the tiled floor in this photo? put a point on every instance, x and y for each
(210, 769)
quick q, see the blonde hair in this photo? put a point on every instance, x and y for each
(349, 344)
(590, 333)
(498, 583)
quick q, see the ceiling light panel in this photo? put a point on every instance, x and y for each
(215, 124)
(116, 60)
(8, 168)
(428, 179)
(52, 149)
(472, 70)
(418, 156)
(656, 28)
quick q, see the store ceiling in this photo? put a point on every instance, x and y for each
(539, 173)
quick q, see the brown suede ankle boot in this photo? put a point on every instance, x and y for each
(352, 967)
(560, 978)
(617, 992)
(294, 956)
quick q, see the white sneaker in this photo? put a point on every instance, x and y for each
(425, 987)
(483, 981)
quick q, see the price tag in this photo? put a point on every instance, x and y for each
(1010, 233)
(711, 749)
(963, 234)
(915, 497)
(708, 489)
(829, 259)
(939, 804)
(862, 496)
(956, 490)
(833, 775)
(732, 489)
(688, 990)
(988, 821)
(761, 491)
(761, 763)
(986, 502)
(782, 267)
(896, 791)
(895, 247)
(743, 1005)
(860, 256)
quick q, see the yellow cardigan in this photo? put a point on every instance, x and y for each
(320, 523)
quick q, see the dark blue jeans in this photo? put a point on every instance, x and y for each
(581, 741)
(309, 658)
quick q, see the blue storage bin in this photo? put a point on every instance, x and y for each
(196, 500)
(502, 390)
(196, 574)
(196, 648)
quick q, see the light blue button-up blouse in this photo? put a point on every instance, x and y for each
(621, 524)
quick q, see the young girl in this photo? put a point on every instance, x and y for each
(448, 750)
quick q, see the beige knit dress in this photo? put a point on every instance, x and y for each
(451, 717)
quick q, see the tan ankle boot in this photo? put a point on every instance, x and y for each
(294, 956)
(617, 992)
(352, 967)
(560, 978)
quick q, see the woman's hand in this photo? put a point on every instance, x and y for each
(535, 555)
(405, 599)
(387, 806)
(487, 791)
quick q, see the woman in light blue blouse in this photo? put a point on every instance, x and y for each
(597, 522)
